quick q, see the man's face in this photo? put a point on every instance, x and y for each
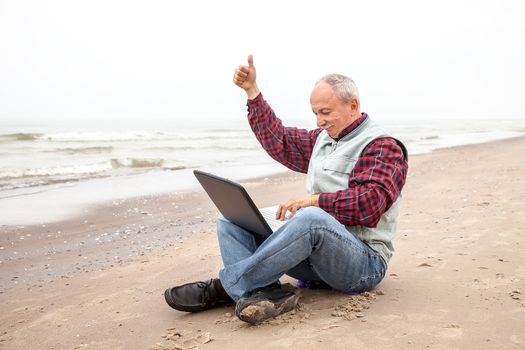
(333, 115)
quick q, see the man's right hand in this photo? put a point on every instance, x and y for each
(244, 78)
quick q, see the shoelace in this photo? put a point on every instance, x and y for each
(206, 286)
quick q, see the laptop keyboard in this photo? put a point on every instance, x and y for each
(269, 215)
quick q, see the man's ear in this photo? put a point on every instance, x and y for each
(354, 104)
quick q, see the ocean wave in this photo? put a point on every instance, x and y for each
(227, 130)
(80, 169)
(430, 137)
(56, 170)
(145, 136)
(203, 148)
(82, 150)
(105, 136)
(43, 181)
(55, 175)
(232, 136)
(20, 137)
(136, 163)
(88, 136)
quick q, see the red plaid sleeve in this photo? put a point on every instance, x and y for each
(374, 184)
(291, 147)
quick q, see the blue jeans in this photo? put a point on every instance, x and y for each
(313, 246)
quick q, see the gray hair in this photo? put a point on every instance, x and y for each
(343, 86)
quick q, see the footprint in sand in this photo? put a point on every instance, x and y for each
(182, 340)
(424, 265)
(451, 331)
(516, 295)
(432, 261)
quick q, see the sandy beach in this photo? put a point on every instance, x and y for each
(457, 280)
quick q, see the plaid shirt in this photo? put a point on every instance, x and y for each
(373, 185)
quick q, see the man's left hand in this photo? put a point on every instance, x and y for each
(295, 204)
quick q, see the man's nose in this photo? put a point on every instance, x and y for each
(320, 122)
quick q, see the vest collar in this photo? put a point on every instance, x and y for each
(352, 126)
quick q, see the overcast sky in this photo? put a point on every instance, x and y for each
(82, 60)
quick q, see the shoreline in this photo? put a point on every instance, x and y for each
(60, 202)
(68, 201)
(457, 279)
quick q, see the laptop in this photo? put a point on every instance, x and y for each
(235, 204)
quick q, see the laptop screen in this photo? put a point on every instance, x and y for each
(234, 203)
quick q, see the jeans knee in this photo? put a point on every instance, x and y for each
(315, 215)
(222, 224)
(222, 219)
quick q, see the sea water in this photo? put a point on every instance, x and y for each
(52, 169)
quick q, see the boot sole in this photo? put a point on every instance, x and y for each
(264, 309)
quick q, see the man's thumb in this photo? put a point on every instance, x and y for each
(250, 61)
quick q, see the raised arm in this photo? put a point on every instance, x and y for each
(291, 147)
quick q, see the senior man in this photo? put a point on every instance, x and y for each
(338, 235)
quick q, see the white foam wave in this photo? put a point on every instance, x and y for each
(59, 170)
(141, 135)
(104, 136)
(85, 169)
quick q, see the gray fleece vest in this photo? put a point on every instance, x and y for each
(330, 166)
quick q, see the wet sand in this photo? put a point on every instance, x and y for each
(457, 279)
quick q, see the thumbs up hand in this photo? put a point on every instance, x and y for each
(245, 77)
